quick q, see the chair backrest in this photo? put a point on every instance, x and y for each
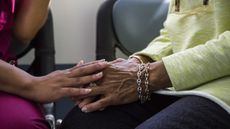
(131, 25)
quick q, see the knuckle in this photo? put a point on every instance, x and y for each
(85, 80)
(78, 81)
(80, 69)
(103, 103)
(71, 91)
(111, 99)
(98, 65)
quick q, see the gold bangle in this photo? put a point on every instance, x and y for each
(141, 58)
(138, 58)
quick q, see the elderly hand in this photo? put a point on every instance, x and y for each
(118, 85)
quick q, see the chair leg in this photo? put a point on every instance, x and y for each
(58, 123)
(52, 123)
(51, 120)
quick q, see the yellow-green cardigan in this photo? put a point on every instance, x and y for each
(195, 48)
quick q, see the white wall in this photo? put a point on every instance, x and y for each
(75, 29)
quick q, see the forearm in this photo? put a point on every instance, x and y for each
(30, 17)
(12, 79)
(201, 64)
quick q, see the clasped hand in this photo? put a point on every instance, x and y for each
(118, 85)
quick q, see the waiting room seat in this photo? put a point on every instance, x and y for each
(128, 25)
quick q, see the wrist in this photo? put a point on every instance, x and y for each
(143, 82)
(158, 78)
(27, 84)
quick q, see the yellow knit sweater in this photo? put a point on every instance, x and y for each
(195, 48)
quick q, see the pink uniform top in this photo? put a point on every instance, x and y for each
(6, 22)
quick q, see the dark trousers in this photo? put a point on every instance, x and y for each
(162, 112)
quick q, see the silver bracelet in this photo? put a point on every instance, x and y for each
(139, 81)
(143, 73)
(147, 93)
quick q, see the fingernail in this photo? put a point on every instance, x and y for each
(84, 109)
(103, 63)
(80, 105)
(86, 91)
(77, 103)
(81, 62)
(98, 75)
(102, 60)
(102, 109)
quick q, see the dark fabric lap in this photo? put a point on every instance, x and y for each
(162, 112)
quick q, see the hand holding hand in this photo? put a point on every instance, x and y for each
(118, 86)
(63, 83)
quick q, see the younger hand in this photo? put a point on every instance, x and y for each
(63, 83)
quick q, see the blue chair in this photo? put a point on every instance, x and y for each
(128, 25)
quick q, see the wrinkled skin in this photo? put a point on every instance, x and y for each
(119, 80)
(118, 85)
